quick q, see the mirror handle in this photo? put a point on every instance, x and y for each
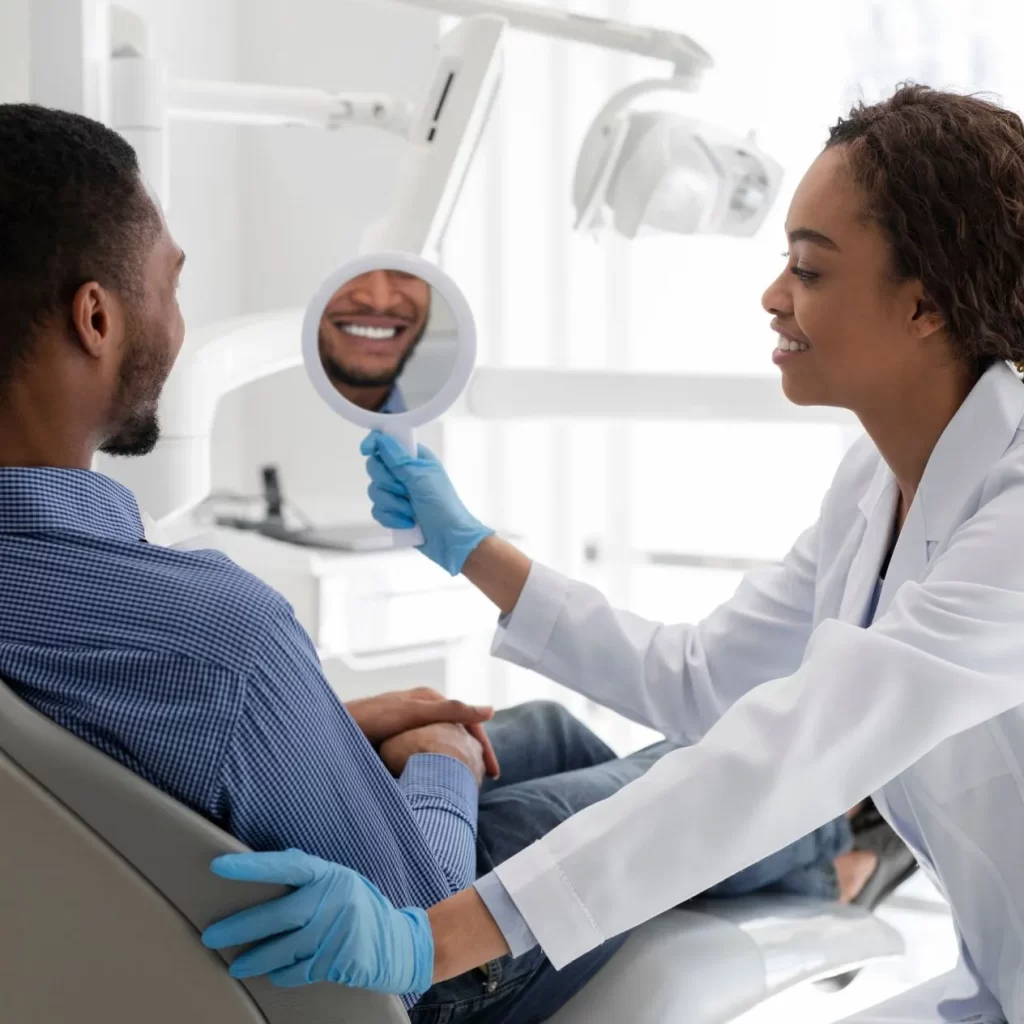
(412, 538)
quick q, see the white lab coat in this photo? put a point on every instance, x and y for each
(797, 712)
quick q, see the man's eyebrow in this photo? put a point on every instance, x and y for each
(812, 236)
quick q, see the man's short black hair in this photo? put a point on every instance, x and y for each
(72, 209)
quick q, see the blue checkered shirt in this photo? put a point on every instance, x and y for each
(197, 676)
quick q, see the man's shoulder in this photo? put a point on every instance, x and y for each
(212, 605)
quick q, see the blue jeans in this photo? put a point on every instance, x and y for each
(551, 767)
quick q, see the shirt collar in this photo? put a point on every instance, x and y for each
(394, 403)
(47, 500)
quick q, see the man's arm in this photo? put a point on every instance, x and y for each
(439, 769)
(297, 772)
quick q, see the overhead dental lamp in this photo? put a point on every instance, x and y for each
(639, 171)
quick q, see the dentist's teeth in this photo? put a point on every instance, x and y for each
(785, 345)
(374, 333)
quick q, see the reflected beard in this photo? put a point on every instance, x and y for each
(354, 379)
(141, 378)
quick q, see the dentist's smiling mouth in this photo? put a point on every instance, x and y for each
(786, 346)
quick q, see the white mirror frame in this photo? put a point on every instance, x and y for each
(396, 424)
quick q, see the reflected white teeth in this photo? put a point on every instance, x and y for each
(785, 345)
(375, 333)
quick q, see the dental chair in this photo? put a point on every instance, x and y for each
(105, 886)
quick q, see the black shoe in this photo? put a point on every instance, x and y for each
(895, 865)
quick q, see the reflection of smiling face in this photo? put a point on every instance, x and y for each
(370, 327)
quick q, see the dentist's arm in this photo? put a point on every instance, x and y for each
(499, 571)
(337, 926)
(465, 935)
(676, 678)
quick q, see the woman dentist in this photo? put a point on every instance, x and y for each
(884, 656)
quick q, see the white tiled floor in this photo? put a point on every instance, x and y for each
(919, 914)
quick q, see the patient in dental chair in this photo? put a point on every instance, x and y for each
(195, 674)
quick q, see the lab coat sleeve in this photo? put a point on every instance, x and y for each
(865, 705)
(677, 679)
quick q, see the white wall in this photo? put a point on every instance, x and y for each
(197, 39)
(200, 39)
(13, 51)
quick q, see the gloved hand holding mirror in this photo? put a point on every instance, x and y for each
(389, 343)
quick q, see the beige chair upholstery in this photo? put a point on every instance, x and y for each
(105, 886)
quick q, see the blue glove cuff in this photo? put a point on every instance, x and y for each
(466, 546)
(422, 949)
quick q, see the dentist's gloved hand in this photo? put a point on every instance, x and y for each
(408, 491)
(336, 926)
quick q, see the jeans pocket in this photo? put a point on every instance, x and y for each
(436, 1014)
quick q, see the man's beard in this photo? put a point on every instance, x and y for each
(141, 378)
(354, 379)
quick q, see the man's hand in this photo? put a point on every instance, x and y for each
(390, 714)
(443, 738)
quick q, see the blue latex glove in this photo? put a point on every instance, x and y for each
(408, 492)
(336, 926)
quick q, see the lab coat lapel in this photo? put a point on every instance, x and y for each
(980, 432)
(879, 509)
(909, 557)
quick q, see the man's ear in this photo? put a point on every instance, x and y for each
(95, 319)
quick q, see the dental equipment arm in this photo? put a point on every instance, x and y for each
(688, 58)
(242, 103)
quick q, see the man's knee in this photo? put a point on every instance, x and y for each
(550, 718)
(550, 711)
(538, 713)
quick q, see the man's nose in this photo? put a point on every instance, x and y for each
(379, 289)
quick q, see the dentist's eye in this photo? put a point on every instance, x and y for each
(807, 276)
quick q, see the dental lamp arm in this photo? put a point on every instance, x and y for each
(247, 104)
(688, 58)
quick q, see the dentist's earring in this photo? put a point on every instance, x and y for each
(1020, 367)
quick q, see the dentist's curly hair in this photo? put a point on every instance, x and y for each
(73, 209)
(944, 177)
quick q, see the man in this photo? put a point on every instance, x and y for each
(368, 331)
(194, 673)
